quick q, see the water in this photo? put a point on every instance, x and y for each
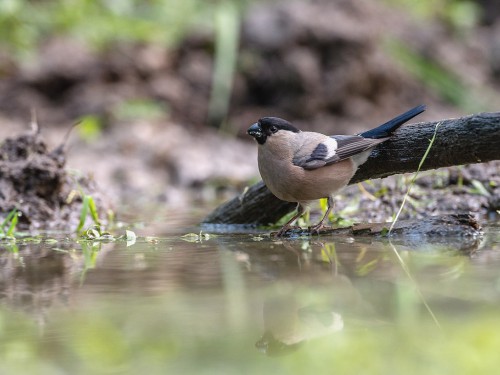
(244, 303)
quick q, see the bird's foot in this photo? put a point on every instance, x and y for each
(285, 229)
(315, 229)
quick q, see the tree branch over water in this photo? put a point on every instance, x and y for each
(466, 140)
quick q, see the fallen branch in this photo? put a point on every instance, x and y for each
(462, 231)
(466, 140)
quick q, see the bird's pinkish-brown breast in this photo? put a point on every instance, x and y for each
(296, 184)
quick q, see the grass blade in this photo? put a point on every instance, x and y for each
(13, 224)
(83, 213)
(412, 182)
(93, 211)
(8, 219)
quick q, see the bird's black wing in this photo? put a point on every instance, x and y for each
(316, 154)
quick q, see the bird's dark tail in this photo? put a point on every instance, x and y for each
(385, 130)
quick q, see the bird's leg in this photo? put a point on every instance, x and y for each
(316, 228)
(287, 226)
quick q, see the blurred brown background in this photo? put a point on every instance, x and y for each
(165, 89)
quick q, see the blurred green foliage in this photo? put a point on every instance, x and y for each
(446, 84)
(458, 14)
(25, 24)
(227, 26)
(90, 128)
(139, 108)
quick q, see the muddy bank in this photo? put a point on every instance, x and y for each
(35, 182)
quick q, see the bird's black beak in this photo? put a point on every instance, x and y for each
(255, 131)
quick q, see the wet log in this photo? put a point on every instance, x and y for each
(460, 231)
(466, 140)
(455, 225)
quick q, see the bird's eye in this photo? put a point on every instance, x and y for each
(273, 129)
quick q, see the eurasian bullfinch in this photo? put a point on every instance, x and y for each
(300, 166)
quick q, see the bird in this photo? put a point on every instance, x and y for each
(303, 166)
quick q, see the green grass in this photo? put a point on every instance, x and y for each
(8, 225)
(88, 209)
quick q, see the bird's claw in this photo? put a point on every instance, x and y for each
(315, 229)
(285, 229)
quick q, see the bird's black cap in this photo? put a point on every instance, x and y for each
(267, 126)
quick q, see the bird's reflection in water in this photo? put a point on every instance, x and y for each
(287, 325)
(320, 299)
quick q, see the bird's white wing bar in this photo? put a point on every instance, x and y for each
(332, 150)
(351, 145)
(315, 153)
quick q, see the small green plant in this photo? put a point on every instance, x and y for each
(90, 128)
(88, 207)
(479, 188)
(8, 226)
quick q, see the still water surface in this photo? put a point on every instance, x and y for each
(248, 304)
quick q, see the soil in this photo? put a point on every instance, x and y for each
(34, 181)
(323, 64)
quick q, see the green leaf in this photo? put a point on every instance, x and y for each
(480, 188)
(90, 128)
(13, 223)
(83, 213)
(93, 211)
